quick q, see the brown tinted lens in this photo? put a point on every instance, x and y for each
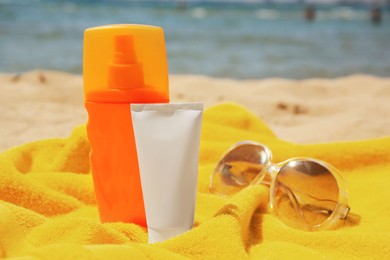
(238, 168)
(306, 193)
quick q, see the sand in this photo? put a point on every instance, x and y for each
(49, 104)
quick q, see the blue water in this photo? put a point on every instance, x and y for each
(220, 40)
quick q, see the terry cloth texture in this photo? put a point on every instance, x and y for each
(48, 209)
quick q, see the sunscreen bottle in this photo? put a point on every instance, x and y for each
(122, 65)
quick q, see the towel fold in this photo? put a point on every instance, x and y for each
(48, 209)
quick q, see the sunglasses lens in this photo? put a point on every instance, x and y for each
(238, 168)
(306, 193)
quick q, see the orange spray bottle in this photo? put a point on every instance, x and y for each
(122, 64)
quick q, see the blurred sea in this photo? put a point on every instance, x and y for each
(234, 40)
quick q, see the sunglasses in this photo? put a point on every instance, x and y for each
(305, 193)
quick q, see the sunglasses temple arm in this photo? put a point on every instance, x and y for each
(313, 208)
(294, 201)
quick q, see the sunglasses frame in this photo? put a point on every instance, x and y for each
(341, 209)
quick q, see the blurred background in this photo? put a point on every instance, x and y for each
(229, 39)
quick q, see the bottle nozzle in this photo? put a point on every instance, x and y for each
(124, 71)
(124, 50)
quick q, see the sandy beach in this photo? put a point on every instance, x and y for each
(48, 104)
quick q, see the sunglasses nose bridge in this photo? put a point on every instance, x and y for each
(273, 170)
(266, 175)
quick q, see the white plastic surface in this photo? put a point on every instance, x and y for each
(167, 138)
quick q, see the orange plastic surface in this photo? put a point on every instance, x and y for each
(123, 64)
(114, 163)
(108, 53)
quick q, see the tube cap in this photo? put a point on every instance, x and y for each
(125, 63)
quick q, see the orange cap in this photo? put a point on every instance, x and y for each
(125, 60)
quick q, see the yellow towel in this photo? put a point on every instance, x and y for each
(47, 204)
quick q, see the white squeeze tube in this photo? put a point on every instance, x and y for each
(167, 138)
